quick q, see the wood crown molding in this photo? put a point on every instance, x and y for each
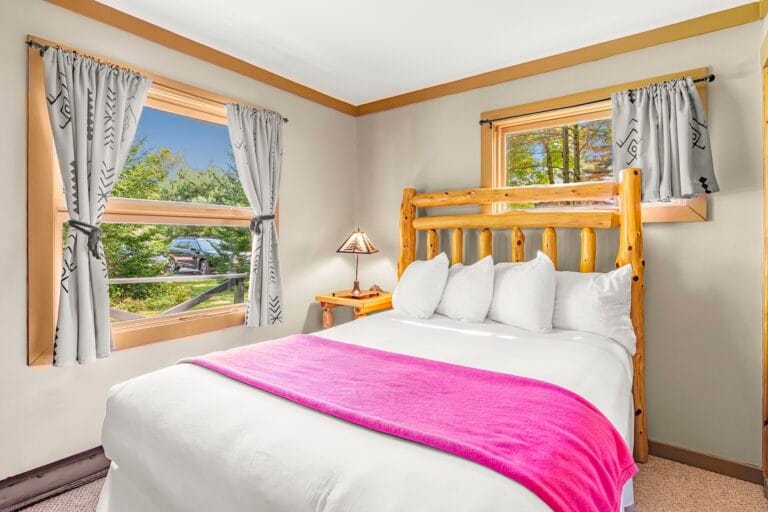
(720, 20)
(131, 24)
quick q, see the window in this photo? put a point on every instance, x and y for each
(157, 270)
(566, 140)
(175, 231)
(565, 153)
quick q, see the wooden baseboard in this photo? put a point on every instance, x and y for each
(712, 463)
(52, 479)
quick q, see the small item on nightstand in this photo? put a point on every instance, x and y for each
(358, 243)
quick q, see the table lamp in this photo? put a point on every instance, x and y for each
(358, 243)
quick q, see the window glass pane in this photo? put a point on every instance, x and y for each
(178, 158)
(565, 154)
(157, 269)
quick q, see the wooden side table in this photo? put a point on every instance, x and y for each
(361, 307)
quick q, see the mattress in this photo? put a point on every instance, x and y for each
(188, 439)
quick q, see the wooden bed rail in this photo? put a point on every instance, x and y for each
(627, 217)
(574, 218)
(598, 191)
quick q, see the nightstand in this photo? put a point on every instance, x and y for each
(361, 306)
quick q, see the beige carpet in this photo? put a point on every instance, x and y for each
(82, 499)
(661, 486)
(666, 486)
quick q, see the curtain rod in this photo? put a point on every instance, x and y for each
(709, 78)
(42, 47)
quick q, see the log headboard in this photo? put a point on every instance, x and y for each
(626, 218)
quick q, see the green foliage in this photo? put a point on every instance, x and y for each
(134, 250)
(213, 186)
(145, 173)
(567, 154)
(146, 299)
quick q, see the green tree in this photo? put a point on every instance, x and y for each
(565, 154)
(134, 250)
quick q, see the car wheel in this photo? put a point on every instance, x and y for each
(205, 269)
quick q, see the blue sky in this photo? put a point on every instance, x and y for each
(202, 143)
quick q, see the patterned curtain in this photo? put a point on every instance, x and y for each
(94, 109)
(257, 144)
(662, 129)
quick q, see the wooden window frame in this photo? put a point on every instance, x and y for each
(583, 106)
(47, 212)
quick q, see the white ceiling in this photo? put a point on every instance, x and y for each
(359, 50)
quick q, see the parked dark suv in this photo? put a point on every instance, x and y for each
(198, 254)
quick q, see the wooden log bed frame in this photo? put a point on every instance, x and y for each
(626, 218)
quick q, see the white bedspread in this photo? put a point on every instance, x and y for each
(188, 439)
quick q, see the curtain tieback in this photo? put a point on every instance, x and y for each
(93, 233)
(257, 220)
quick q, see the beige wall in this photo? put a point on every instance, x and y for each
(49, 413)
(703, 280)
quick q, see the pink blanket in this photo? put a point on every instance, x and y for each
(545, 437)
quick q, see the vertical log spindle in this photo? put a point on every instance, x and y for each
(549, 244)
(518, 245)
(457, 246)
(485, 245)
(433, 244)
(588, 250)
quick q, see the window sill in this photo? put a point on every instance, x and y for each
(677, 210)
(134, 333)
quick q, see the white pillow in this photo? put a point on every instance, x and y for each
(421, 286)
(524, 294)
(598, 303)
(468, 292)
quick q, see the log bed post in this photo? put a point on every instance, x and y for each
(407, 232)
(631, 252)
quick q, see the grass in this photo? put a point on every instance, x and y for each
(192, 289)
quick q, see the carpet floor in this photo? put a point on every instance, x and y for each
(661, 486)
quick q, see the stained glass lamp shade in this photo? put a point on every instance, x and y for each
(357, 243)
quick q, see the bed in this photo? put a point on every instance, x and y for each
(186, 438)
